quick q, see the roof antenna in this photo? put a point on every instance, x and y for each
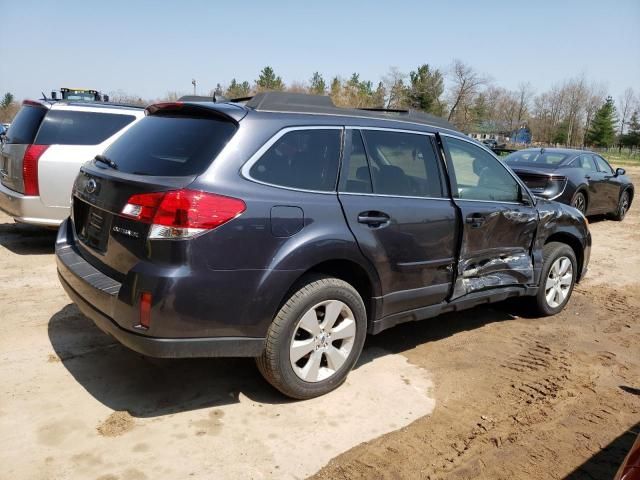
(44, 97)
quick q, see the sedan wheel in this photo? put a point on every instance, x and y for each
(559, 282)
(623, 206)
(580, 202)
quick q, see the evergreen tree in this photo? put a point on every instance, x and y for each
(268, 81)
(317, 84)
(379, 95)
(238, 90)
(7, 100)
(479, 109)
(425, 89)
(560, 133)
(632, 137)
(603, 127)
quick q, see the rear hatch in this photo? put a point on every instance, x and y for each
(138, 188)
(19, 142)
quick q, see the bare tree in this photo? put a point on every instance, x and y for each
(465, 84)
(394, 85)
(625, 106)
(525, 92)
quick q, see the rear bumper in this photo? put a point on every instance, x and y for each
(166, 347)
(28, 209)
(95, 294)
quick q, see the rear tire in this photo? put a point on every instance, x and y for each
(623, 206)
(315, 339)
(579, 201)
(558, 277)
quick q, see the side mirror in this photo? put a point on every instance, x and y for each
(620, 171)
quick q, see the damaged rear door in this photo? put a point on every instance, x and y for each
(498, 220)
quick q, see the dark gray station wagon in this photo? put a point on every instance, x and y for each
(286, 229)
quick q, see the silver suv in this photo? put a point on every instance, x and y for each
(44, 148)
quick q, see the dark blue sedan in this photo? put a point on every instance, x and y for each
(578, 178)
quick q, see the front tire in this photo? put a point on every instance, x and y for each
(623, 206)
(558, 277)
(315, 339)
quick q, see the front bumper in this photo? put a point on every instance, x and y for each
(28, 209)
(96, 293)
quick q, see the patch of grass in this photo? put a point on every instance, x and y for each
(625, 157)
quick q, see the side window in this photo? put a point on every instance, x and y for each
(358, 175)
(479, 176)
(603, 166)
(585, 162)
(403, 164)
(306, 159)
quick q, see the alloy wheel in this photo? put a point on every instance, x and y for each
(579, 202)
(322, 340)
(559, 281)
(624, 204)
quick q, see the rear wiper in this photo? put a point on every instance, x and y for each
(106, 161)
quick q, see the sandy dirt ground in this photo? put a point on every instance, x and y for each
(524, 398)
(487, 393)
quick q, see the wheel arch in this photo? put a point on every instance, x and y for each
(351, 272)
(584, 190)
(631, 190)
(573, 242)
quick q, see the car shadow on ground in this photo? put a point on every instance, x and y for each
(146, 387)
(25, 239)
(605, 463)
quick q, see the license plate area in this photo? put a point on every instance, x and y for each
(92, 225)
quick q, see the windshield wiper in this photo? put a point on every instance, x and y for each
(106, 161)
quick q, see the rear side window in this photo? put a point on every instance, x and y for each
(403, 164)
(65, 127)
(305, 159)
(165, 145)
(585, 162)
(25, 126)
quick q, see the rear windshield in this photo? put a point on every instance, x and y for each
(24, 127)
(170, 145)
(66, 127)
(536, 158)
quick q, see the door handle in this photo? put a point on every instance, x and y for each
(475, 220)
(588, 177)
(374, 219)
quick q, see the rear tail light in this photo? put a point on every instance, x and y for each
(30, 168)
(182, 213)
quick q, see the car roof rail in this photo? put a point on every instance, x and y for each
(322, 104)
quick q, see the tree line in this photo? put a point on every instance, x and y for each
(574, 112)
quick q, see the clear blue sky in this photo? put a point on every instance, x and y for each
(148, 48)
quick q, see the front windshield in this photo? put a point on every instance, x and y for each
(536, 158)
